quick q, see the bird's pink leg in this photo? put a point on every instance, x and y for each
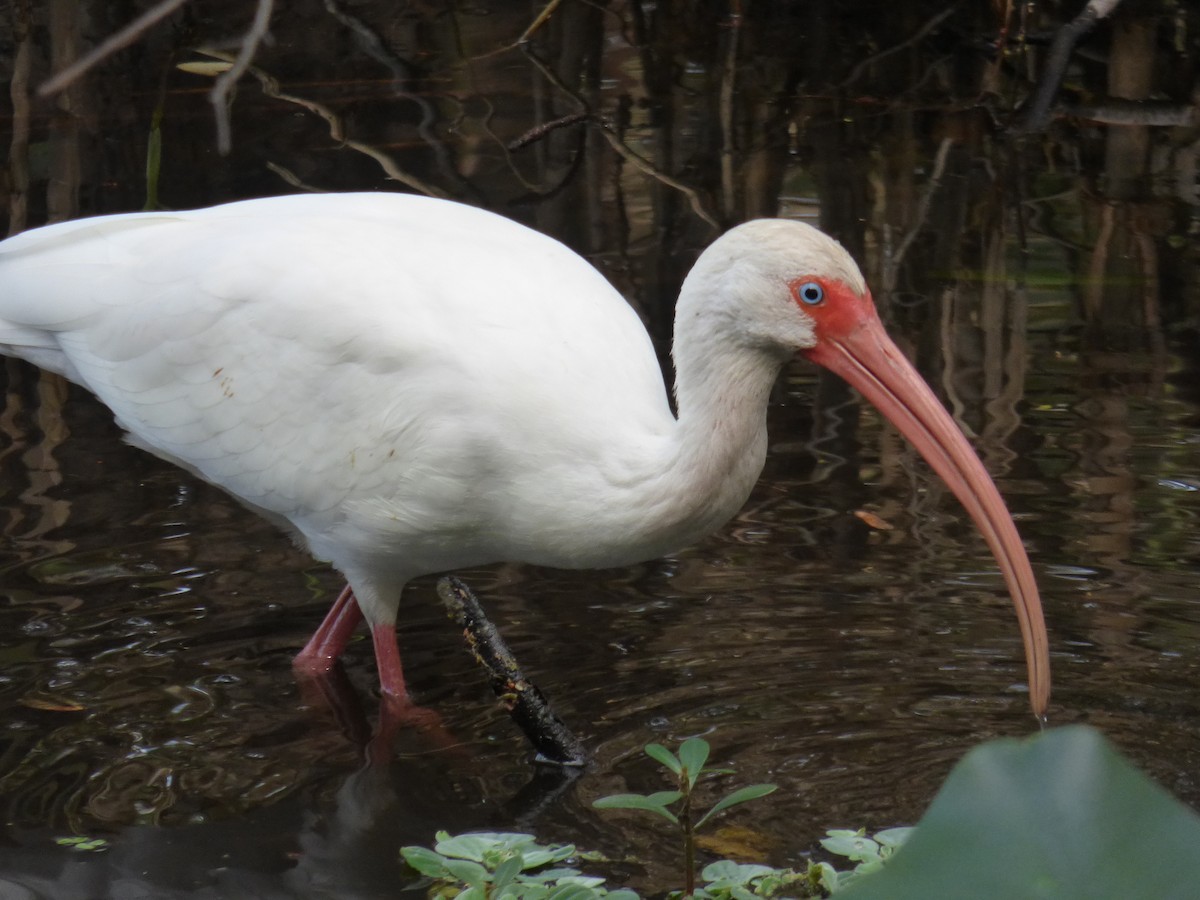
(315, 666)
(391, 670)
(330, 639)
(396, 708)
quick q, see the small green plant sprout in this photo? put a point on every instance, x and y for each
(870, 853)
(504, 866)
(727, 880)
(677, 806)
(83, 844)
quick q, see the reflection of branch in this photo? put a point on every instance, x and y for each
(537, 132)
(1118, 111)
(891, 266)
(1093, 296)
(111, 45)
(1038, 112)
(219, 96)
(542, 18)
(617, 144)
(728, 78)
(294, 180)
(270, 87)
(373, 45)
(645, 166)
(18, 91)
(916, 36)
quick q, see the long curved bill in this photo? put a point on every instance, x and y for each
(865, 356)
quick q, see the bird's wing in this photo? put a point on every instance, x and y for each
(309, 352)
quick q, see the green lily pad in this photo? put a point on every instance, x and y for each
(1060, 816)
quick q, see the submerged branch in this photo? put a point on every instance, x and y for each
(525, 703)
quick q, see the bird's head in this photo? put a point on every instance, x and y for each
(785, 288)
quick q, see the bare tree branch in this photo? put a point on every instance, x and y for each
(270, 87)
(537, 132)
(220, 93)
(542, 18)
(1037, 114)
(891, 267)
(617, 144)
(111, 45)
(693, 197)
(929, 25)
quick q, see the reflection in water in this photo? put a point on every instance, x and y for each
(33, 432)
(147, 622)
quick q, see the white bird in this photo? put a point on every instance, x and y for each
(412, 386)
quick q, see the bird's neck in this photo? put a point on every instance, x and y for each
(722, 386)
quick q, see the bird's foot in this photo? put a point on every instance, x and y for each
(400, 713)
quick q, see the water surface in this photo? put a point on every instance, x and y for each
(1045, 288)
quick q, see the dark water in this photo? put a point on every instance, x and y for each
(1046, 285)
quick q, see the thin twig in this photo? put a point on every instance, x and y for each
(542, 18)
(895, 48)
(270, 87)
(892, 266)
(111, 45)
(371, 43)
(219, 96)
(617, 144)
(537, 132)
(294, 180)
(644, 165)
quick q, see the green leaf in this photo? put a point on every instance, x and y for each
(893, 838)
(538, 856)
(829, 878)
(728, 871)
(590, 881)
(890, 840)
(549, 875)
(572, 892)
(655, 803)
(742, 795)
(662, 755)
(478, 845)
(693, 754)
(1060, 816)
(425, 861)
(467, 871)
(853, 845)
(507, 870)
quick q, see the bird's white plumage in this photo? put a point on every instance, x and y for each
(412, 385)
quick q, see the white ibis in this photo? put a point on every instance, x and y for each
(413, 386)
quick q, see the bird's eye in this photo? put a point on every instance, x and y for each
(810, 293)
